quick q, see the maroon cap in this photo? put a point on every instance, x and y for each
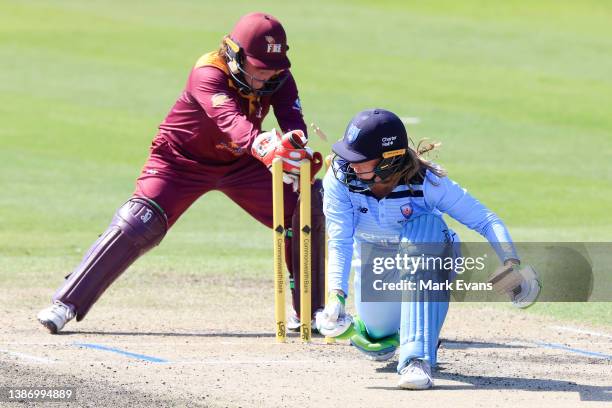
(263, 39)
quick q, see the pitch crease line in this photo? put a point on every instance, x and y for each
(242, 362)
(575, 350)
(122, 352)
(580, 331)
(27, 356)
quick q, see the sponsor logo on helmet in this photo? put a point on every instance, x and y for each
(393, 153)
(388, 141)
(272, 46)
(406, 210)
(352, 133)
(218, 99)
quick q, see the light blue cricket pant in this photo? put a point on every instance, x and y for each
(419, 320)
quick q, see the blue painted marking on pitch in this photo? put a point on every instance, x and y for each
(575, 350)
(123, 352)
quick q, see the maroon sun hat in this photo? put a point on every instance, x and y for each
(263, 39)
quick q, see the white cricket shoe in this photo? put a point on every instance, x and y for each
(416, 375)
(294, 324)
(55, 317)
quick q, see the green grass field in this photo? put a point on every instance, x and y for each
(517, 91)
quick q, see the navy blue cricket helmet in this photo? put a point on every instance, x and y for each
(371, 134)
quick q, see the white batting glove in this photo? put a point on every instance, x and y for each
(530, 288)
(333, 320)
(520, 283)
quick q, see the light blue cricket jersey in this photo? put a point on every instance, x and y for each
(353, 218)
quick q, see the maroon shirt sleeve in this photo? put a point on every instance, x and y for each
(210, 88)
(287, 107)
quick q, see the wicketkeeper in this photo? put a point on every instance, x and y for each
(212, 140)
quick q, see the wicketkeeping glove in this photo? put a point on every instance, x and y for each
(333, 320)
(291, 149)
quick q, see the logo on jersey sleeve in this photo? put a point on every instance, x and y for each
(218, 99)
(406, 210)
(297, 105)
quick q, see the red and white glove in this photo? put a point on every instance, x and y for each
(290, 148)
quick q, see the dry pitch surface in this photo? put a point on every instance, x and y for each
(218, 352)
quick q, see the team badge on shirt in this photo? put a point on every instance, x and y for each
(406, 210)
(231, 147)
(218, 99)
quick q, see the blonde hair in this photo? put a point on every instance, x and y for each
(416, 162)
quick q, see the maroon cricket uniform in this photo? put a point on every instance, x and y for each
(212, 122)
(204, 144)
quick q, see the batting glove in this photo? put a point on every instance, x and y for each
(333, 321)
(521, 284)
